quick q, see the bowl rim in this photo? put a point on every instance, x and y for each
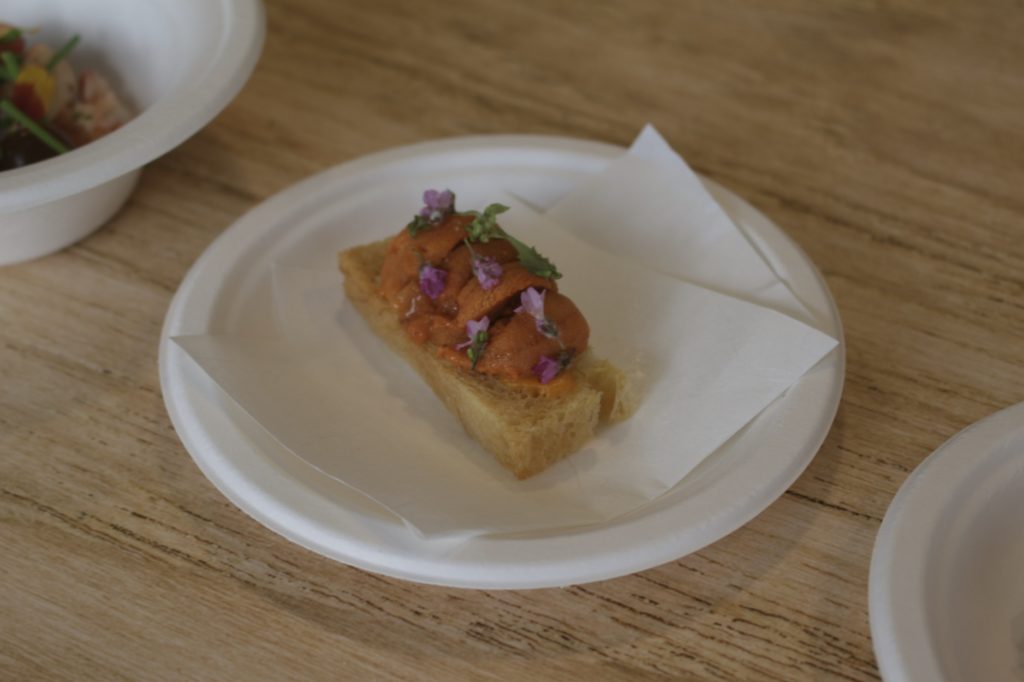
(148, 135)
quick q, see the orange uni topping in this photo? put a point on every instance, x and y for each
(468, 291)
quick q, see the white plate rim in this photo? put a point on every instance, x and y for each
(564, 571)
(900, 560)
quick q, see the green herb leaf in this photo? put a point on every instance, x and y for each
(8, 107)
(485, 225)
(485, 228)
(11, 67)
(418, 224)
(531, 259)
(477, 348)
(63, 52)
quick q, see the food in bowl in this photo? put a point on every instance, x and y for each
(46, 107)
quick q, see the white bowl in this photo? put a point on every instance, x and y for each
(176, 62)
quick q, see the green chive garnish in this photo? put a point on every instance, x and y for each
(7, 106)
(63, 52)
(11, 65)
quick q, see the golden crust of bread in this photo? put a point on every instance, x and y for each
(527, 427)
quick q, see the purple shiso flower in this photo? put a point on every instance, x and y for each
(474, 327)
(531, 302)
(488, 272)
(432, 280)
(437, 205)
(546, 369)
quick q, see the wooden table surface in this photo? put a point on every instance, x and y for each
(885, 137)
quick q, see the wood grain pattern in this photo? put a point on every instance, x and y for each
(885, 137)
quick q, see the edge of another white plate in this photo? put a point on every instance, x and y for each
(958, 473)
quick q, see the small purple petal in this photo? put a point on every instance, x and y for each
(532, 303)
(546, 369)
(432, 280)
(437, 205)
(446, 200)
(474, 327)
(488, 272)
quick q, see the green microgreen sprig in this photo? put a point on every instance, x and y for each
(9, 66)
(418, 224)
(63, 52)
(19, 117)
(476, 339)
(485, 227)
(476, 348)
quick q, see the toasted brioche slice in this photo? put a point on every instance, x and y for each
(526, 426)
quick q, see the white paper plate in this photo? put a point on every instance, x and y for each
(227, 289)
(947, 574)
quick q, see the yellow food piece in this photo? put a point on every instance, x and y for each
(41, 82)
